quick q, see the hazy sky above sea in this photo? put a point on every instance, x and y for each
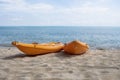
(60, 12)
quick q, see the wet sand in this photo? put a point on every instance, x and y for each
(93, 65)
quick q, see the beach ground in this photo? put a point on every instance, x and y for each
(93, 65)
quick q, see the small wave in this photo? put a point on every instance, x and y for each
(6, 45)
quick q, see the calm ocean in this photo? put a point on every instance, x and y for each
(96, 37)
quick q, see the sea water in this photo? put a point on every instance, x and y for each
(95, 37)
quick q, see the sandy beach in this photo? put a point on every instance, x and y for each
(93, 65)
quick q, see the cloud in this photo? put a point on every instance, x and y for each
(76, 12)
(16, 18)
(23, 6)
(85, 10)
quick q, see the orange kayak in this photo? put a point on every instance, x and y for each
(76, 47)
(35, 48)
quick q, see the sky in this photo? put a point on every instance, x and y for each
(59, 13)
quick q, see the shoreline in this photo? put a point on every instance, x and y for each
(91, 48)
(93, 65)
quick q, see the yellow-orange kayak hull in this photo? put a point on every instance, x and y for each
(36, 49)
(76, 47)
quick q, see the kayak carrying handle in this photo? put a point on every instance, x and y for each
(14, 43)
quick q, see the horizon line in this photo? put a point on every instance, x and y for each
(54, 26)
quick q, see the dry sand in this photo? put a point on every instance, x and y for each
(94, 65)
